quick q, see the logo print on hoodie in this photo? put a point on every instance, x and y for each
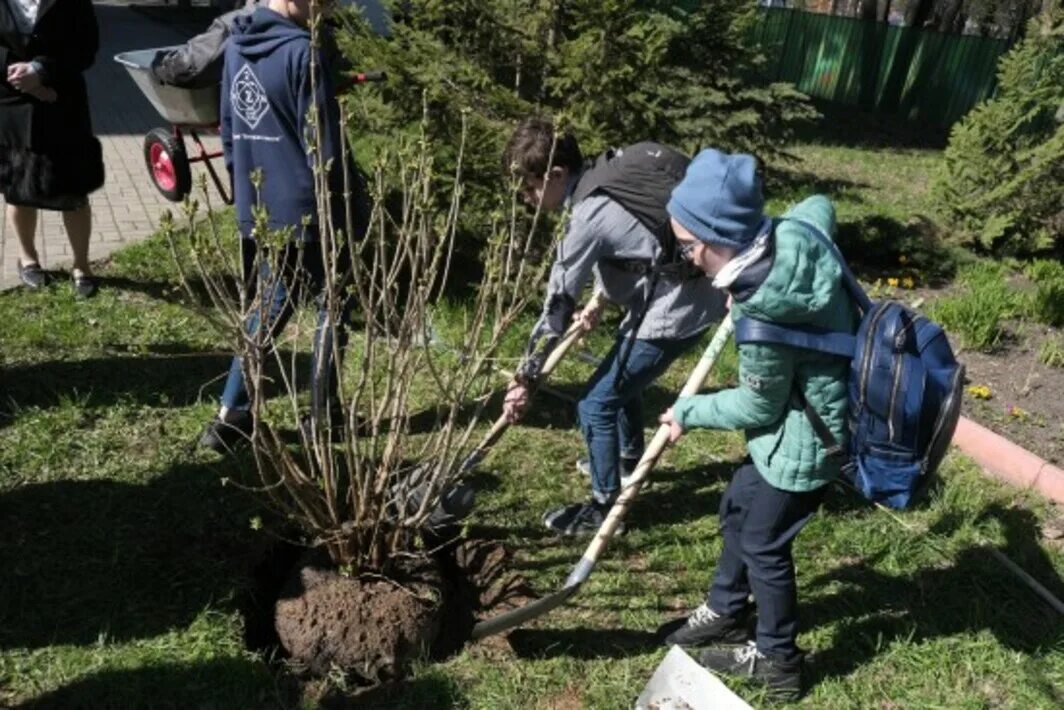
(248, 97)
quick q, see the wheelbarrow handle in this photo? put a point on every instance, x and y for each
(368, 76)
(357, 78)
(574, 333)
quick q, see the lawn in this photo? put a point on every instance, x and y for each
(131, 565)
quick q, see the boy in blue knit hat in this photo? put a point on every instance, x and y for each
(774, 271)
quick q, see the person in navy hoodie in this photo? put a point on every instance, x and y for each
(267, 94)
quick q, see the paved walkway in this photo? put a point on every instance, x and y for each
(127, 208)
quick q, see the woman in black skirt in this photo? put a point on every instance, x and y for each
(49, 157)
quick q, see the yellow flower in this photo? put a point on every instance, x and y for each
(908, 282)
(903, 259)
(979, 391)
(892, 282)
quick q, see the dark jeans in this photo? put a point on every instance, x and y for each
(759, 523)
(300, 275)
(611, 417)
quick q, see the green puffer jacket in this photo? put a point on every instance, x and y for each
(803, 286)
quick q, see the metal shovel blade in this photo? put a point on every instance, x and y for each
(679, 683)
(513, 619)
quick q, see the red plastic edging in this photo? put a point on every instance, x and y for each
(1008, 461)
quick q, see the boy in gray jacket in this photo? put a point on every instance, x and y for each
(617, 232)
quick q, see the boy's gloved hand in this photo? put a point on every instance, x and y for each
(675, 430)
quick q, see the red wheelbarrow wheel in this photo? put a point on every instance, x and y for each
(167, 164)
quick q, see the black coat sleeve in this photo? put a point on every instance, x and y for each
(74, 48)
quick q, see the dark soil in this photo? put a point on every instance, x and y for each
(1026, 403)
(303, 611)
(369, 626)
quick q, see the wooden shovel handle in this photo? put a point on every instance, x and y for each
(574, 333)
(650, 457)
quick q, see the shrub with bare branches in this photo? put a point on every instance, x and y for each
(361, 481)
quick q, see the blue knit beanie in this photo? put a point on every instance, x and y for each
(719, 200)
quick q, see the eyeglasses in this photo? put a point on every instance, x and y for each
(687, 250)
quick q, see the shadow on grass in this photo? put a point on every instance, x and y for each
(87, 560)
(176, 378)
(849, 125)
(877, 246)
(433, 691)
(219, 683)
(171, 292)
(675, 497)
(973, 593)
(680, 496)
(584, 643)
(168, 376)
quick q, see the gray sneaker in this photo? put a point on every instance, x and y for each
(784, 679)
(84, 286)
(705, 626)
(32, 275)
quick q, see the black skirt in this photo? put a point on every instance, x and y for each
(62, 182)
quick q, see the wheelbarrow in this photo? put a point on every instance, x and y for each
(190, 112)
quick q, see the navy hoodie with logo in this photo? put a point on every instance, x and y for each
(266, 94)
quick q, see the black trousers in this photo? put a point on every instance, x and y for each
(759, 523)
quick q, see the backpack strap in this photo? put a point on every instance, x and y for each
(832, 447)
(858, 293)
(752, 330)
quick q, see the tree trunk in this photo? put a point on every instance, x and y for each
(915, 16)
(885, 16)
(873, 34)
(948, 17)
(918, 12)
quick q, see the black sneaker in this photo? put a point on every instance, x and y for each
(782, 678)
(32, 275)
(224, 436)
(84, 286)
(579, 519)
(705, 626)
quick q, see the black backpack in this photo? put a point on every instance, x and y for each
(640, 178)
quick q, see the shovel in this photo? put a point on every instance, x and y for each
(583, 568)
(571, 336)
(679, 683)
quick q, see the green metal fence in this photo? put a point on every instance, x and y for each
(923, 75)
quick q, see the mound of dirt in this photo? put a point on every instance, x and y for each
(370, 627)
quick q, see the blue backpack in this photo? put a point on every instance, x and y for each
(905, 390)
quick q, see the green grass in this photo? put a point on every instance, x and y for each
(1047, 301)
(1051, 352)
(977, 312)
(127, 561)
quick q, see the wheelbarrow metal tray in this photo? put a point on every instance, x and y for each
(177, 105)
